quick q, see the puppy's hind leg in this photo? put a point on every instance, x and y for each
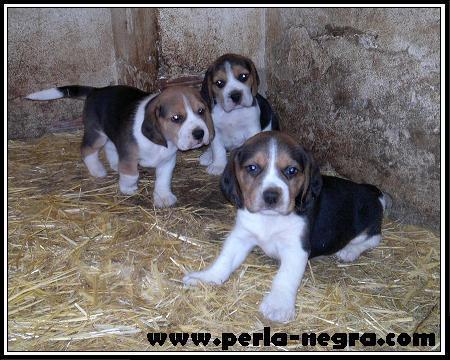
(128, 169)
(111, 155)
(93, 141)
(357, 246)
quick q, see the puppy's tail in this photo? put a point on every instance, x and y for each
(73, 91)
(384, 198)
(386, 201)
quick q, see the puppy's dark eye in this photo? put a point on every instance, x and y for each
(243, 77)
(177, 118)
(220, 84)
(253, 169)
(290, 171)
(201, 111)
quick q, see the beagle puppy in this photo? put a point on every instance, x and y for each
(136, 127)
(286, 207)
(231, 85)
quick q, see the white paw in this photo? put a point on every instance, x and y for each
(276, 308)
(94, 165)
(114, 167)
(215, 169)
(206, 158)
(98, 171)
(202, 276)
(128, 190)
(164, 200)
(348, 254)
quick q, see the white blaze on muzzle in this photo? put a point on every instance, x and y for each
(193, 121)
(273, 181)
(233, 85)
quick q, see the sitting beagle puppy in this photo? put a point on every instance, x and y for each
(286, 207)
(238, 111)
(136, 127)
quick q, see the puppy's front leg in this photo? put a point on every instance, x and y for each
(279, 304)
(219, 156)
(128, 175)
(162, 195)
(206, 158)
(236, 248)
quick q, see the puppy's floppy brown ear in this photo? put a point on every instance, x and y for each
(209, 124)
(151, 128)
(312, 186)
(255, 83)
(229, 183)
(206, 89)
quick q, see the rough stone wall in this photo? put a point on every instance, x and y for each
(55, 47)
(191, 39)
(136, 45)
(51, 47)
(361, 88)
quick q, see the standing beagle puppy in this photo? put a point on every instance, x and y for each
(136, 127)
(293, 213)
(238, 111)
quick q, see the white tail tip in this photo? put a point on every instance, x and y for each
(49, 94)
(383, 202)
(386, 202)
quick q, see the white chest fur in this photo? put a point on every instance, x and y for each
(271, 232)
(150, 154)
(237, 125)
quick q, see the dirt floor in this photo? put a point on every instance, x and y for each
(90, 269)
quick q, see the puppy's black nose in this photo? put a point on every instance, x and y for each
(271, 196)
(236, 96)
(198, 134)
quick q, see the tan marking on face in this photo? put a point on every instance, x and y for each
(304, 173)
(238, 70)
(283, 161)
(171, 103)
(197, 102)
(238, 65)
(248, 183)
(221, 74)
(258, 148)
(218, 92)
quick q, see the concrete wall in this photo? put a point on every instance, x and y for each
(191, 39)
(97, 47)
(50, 47)
(361, 88)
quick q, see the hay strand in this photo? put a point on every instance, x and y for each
(90, 269)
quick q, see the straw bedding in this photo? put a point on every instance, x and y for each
(90, 269)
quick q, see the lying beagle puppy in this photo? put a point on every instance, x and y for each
(136, 127)
(293, 213)
(238, 111)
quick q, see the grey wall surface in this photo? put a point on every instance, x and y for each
(56, 47)
(51, 47)
(361, 88)
(191, 39)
